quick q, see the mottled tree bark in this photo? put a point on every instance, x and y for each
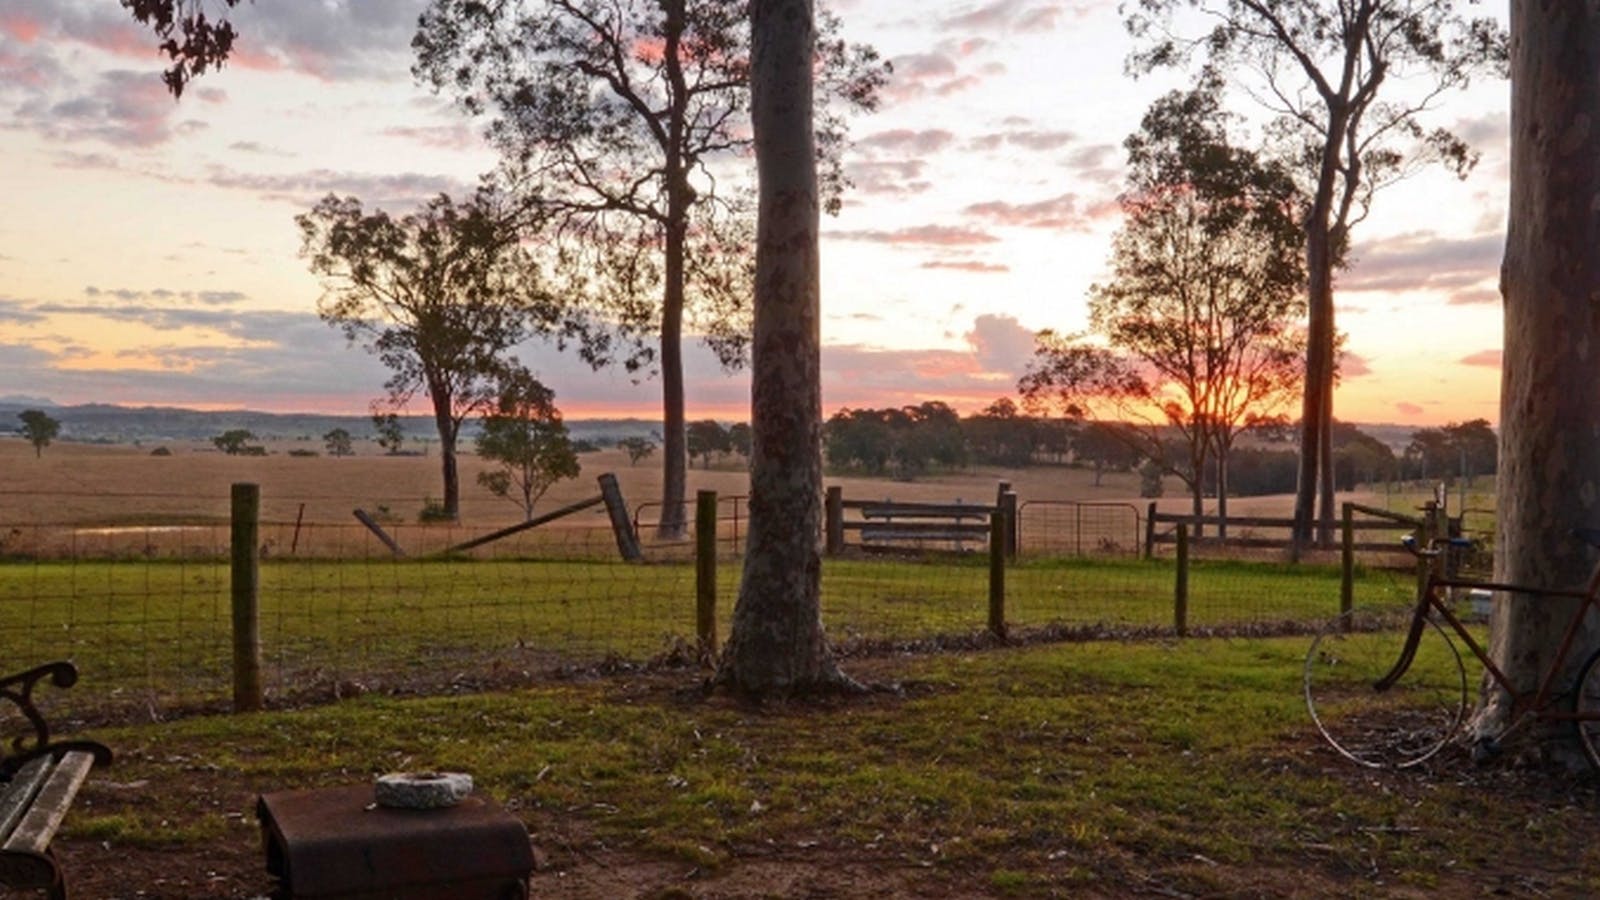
(777, 646)
(1549, 477)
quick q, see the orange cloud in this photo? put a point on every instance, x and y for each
(1489, 359)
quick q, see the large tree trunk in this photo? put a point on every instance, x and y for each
(674, 435)
(1549, 477)
(777, 646)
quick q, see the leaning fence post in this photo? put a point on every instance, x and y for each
(997, 575)
(621, 525)
(1180, 593)
(246, 579)
(705, 572)
(1347, 575)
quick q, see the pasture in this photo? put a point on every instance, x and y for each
(567, 682)
(1093, 769)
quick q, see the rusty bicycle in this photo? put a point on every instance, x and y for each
(1390, 710)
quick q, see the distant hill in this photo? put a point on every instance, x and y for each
(102, 423)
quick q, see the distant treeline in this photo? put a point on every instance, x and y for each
(909, 441)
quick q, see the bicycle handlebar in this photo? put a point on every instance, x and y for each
(1435, 546)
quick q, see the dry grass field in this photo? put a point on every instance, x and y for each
(83, 484)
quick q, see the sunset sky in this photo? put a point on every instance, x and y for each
(148, 254)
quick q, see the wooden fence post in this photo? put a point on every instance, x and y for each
(705, 573)
(246, 579)
(1180, 593)
(1008, 512)
(997, 576)
(835, 520)
(1150, 532)
(627, 540)
(1347, 574)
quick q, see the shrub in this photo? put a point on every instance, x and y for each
(433, 511)
(161, 451)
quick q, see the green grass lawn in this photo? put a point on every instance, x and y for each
(1171, 768)
(159, 632)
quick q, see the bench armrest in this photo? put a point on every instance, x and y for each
(18, 689)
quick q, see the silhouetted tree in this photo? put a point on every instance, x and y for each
(1198, 321)
(40, 428)
(1322, 69)
(440, 295)
(618, 116)
(706, 437)
(338, 442)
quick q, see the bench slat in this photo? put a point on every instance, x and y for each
(20, 791)
(34, 832)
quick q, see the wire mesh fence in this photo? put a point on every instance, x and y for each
(145, 611)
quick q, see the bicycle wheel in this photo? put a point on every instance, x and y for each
(1393, 728)
(1586, 702)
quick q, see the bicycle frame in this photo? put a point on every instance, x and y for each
(1524, 703)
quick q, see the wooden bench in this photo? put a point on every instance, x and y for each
(923, 522)
(41, 779)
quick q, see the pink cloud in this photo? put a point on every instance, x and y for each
(1409, 410)
(928, 235)
(968, 265)
(930, 140)
(1489, 359)
(1353, 365)
(21, 26)
(1055, 213)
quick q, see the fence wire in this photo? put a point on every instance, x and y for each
(145, 611)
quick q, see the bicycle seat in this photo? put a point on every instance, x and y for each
(1590, 536)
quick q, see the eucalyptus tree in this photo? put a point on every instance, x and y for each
(441, 296)
(627, 120)
(777, 645)
(1348, 84)
(1549, 467)
(1196, 332)
(524, 436)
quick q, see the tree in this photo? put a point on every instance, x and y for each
(1325, 70)
(525, 436)
(777, 645)
(705, 438)
(1359, 457)
(1549, 410)
(1197, 324)
(338, 442)
(637, 448)
(739, 438)
(192, 41)
(999, 436)
(236, 442)
(391, 434)
(39, 428)
(441, 295)
(1099, 445)
(618, 114)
